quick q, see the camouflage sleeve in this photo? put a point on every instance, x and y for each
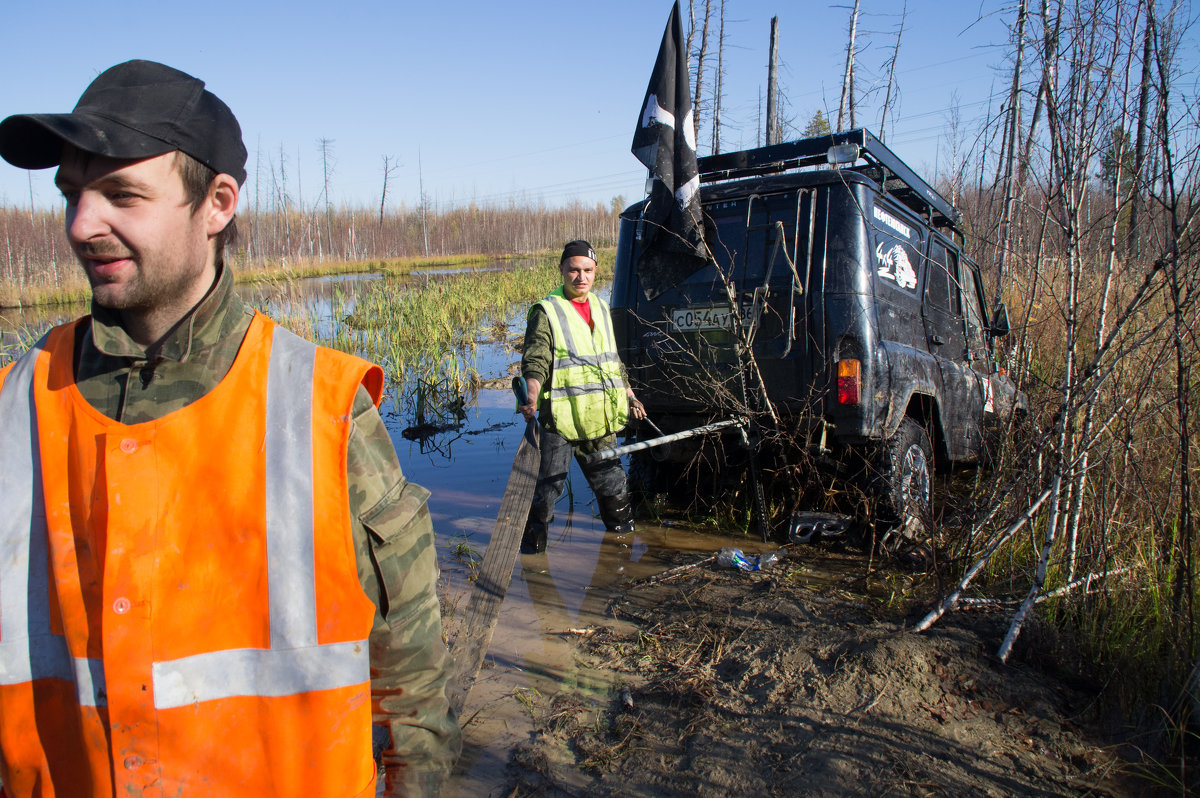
(537, 352)
(397, 565)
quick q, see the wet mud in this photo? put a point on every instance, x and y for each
(804, 680)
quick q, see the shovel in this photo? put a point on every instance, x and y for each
(495, 573)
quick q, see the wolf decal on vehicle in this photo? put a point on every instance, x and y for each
(894, 265)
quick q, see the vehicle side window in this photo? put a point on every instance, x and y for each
(955, 284)
(971, 292)
(941, 290)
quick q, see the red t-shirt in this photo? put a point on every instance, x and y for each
(585, 310)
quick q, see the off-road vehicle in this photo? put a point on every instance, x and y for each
(840, 312)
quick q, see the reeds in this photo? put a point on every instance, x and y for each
(425, 330)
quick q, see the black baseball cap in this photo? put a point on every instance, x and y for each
(137, 109)
(578, 247)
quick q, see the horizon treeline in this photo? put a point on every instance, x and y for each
(37, 265)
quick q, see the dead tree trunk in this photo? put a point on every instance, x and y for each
(719, 83)
(701, 56)
(389, 169)
(772, 131)
(891, 81)
(326, 147)
(848, 79)
(1143, 124)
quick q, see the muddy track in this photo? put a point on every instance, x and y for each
(776, 683)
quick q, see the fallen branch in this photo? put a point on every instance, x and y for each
(670, 573)
(952, 600)
(1039, 577)
(1085, 582)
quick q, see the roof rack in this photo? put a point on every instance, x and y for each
(897, 179)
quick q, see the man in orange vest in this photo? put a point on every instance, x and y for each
(216, 580)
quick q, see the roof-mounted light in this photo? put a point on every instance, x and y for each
(842, 154)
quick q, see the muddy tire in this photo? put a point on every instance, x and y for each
(904, 488)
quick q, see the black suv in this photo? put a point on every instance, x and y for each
(840, 311)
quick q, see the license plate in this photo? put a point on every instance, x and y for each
(707, 317)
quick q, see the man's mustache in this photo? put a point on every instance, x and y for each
(102, 251)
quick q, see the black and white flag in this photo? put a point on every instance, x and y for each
(665, 141)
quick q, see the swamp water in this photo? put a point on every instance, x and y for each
(553, 596)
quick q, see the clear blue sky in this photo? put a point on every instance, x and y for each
(530, 100)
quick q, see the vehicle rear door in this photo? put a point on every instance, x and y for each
(979, 352)
(961, 400)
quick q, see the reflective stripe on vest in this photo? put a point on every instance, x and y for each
(28, 649)
(294, 663)
(587, 389)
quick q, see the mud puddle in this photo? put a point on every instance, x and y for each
(555, 600)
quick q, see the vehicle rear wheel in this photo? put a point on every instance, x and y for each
(904, 488)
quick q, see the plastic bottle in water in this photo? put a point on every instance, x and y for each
(735, 558)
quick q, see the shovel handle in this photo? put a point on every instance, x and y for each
(521, 390)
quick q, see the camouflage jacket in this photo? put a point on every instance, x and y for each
(393, 533)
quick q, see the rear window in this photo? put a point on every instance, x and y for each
(747, 245)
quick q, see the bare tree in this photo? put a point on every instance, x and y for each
(719, 83)
(1010, 146)
(282, 201)
(325, 146)
(955, 138)
(701, 56)
(891, 80)
(389, 169)
(772, 132)
(424, 202)
(848, 79)
(1143, 124)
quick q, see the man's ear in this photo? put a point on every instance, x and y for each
(221, 203)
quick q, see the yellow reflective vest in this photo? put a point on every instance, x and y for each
(586, 387)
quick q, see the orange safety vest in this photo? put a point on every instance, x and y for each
(180, 609)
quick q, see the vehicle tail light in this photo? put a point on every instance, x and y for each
(849, 382)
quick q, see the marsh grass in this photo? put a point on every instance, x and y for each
(272, 270)
(69, 286)
(465, 553)
(16, 343)
(425, 331)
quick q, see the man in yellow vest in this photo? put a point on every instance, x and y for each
(577, 387)
(216, 580)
